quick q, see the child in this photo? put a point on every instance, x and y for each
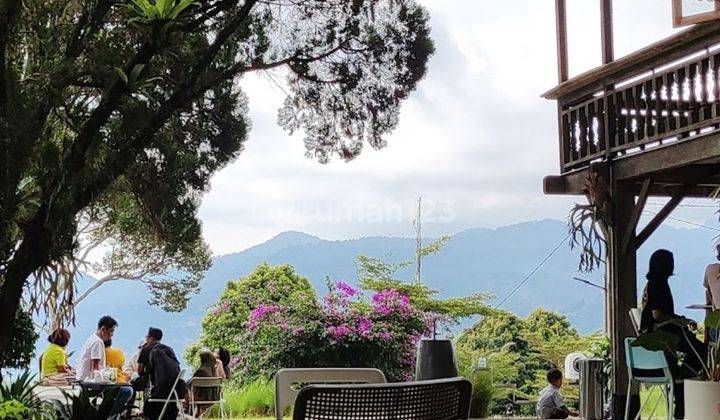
(551, 404)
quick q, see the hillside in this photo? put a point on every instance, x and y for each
(484, 260)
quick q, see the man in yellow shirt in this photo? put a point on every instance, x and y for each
(53, 360)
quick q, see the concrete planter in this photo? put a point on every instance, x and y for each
(435, 360)
(702, 400)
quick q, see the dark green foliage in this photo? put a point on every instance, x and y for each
(106, 102)
(80, 407)
(18, 400)
(22, 349)
(21, 390)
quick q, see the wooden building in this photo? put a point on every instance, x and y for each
(644, 125)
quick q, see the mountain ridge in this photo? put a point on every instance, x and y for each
(480, 259)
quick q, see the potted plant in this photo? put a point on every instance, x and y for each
(435, 357)
(702, 393)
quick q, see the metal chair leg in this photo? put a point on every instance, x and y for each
(627, 400)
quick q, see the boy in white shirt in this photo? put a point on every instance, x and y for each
(551, 404)
(92, 358)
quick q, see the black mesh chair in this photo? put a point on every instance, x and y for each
(441, 399)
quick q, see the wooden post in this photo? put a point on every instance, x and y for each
(562, 63)
(606, 31)
(621, 295)
(561, 33)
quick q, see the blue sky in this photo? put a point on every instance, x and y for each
(474, 140)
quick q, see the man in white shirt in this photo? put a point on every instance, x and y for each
(92, 358)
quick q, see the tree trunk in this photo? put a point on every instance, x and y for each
(32, 254)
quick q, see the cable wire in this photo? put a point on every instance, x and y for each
(534, 270)
(686, 221)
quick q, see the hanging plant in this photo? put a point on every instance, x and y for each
(588, 224)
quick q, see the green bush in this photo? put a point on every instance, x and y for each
(267, 284)
(13, 410)
(18, 400)
(349, 329)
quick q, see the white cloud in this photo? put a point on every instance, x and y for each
(475, 139)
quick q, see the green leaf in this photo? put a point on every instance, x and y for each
(712, 320)
(120, 72)
(657, 341)
(135, 73)
(184, 4)
(162, 5)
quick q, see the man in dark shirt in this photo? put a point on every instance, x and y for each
(158, 364)
(153, 337)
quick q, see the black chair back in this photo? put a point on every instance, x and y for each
(440, 399)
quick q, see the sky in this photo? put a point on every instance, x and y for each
(474, 140)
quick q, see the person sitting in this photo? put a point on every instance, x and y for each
(222, 366)
(158, 363)
(130, 368)
(53, 361)
(551, 404)
(207, 369)
(92, 358)
(712, 290)
(659, 307)
(115, 358)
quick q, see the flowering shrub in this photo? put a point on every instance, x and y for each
(227, 319)
(346, 330)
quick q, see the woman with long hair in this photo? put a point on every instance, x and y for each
(207, 369)
(222, 366)
(658, 308)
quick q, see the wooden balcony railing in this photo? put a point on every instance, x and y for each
(665, 93)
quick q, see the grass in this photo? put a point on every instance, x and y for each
(255, 400)
(660, 411)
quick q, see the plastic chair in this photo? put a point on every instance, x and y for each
(640, 358)
(207, 383)
(172, 397)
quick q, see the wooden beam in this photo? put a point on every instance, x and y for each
(629, 235)
(561, 34)
(662, 215)
(694, 150)
(665, 191)
(662, 52)
(606, 31)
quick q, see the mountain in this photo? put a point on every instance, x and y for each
(475, 260)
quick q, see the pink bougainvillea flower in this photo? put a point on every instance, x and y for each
(346, 289)
(365, 326)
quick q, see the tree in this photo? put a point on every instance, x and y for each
(378, 275)
(101, 100)
(266, 285)
(22, 339)
(541, 341)
(133, 252)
